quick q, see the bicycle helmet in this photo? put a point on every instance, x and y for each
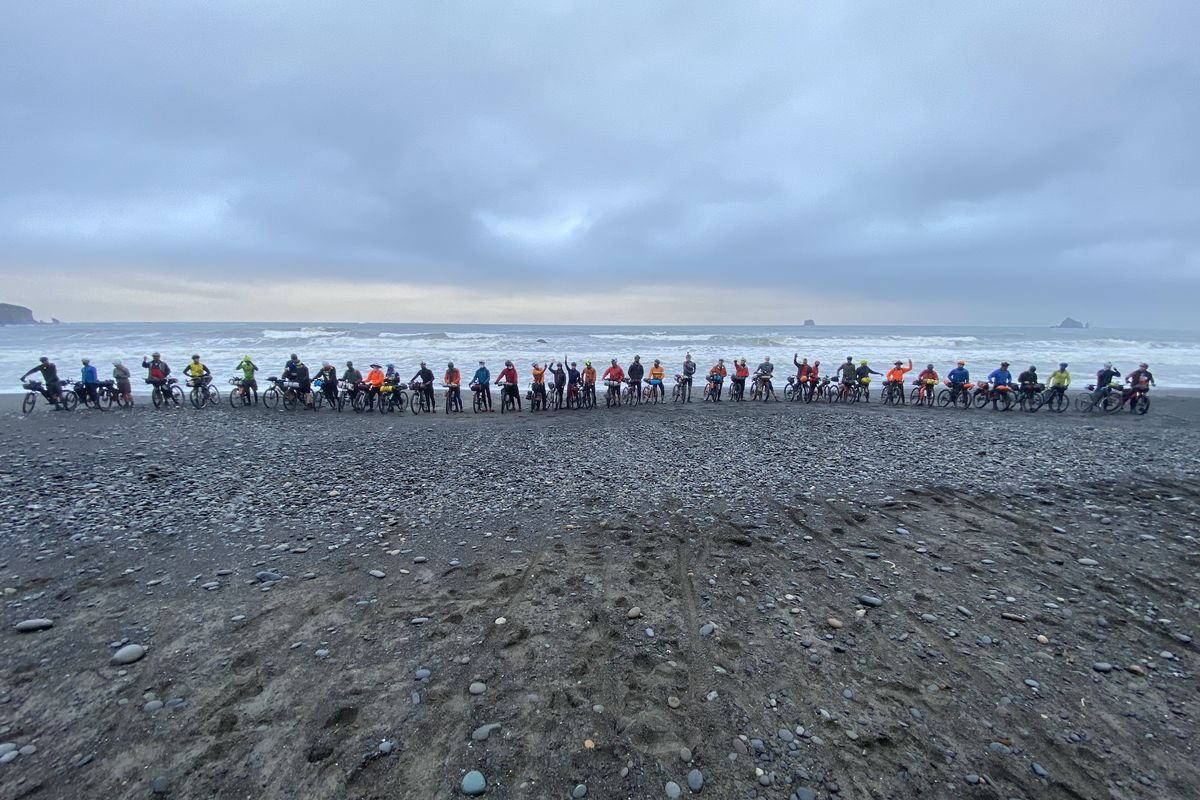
(87, 361)
(743, 360)
(863, 362)
(1063, 365)
(614, 361)
(656, 362)
(962, 363)
(349, 363)
(152, 355)
(450, 365)
(929, 367)
(195, 357)
(295, 357)
(899, 363)
(587, 363)
(1003, 364)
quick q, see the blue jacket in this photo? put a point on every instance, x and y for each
(89, 374)
(482, 376)
(1000, 376)
(959, 375)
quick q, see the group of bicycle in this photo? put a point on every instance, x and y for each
(562, 384)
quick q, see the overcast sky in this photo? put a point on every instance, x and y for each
(605, 161)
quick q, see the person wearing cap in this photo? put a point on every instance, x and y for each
(372, 383)
(927, 380)
(1000, 379)
(91, 383)
(1058, 381)
(762, 375)
(157, 370)
(1105, 376)
(803, 369)
(895, 377)
(1140, 380)
(613, 376)
(959, 375)
(292, 368)
(573, 377)
(453, 382)
(249, 382)
(122, 378)
(863, 376)
(716, 377)
(508, 383)
(482, 382)
(329, 383)
(636, 372)
(197, 371)
(52, 386)
(425, 376)
(588, 377)
(741, 373)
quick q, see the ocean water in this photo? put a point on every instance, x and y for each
(1174, 356)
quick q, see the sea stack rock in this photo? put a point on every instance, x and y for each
(1070, 323)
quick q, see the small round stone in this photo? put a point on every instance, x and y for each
(579, 792)
(695, 780)
(473, 783)
(478, 687)
(160, 785)
(673, 790)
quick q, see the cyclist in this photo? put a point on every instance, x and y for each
(248, 368)
(508, 382)
(762, 376)
(425, 376)
(895, 377)
(91, 382)
(572, 380)
(539, 382)
(741, 373)
(1140, 380)
(53, 386)
(352, 378)
(958, 378)
(689, 369)
(1000, 379)
(863, 377)
(157, 371)
(613, 377)
(1107, 374)
(329, 383)
(303, 382)
(483, 379)
(292, 368)
(655, 380)
(560, 382)
(716, 377)
(197, 372)
(589, 380)
(1027, 382)
(636, 372)
(122, 377)
(814, 375)
(453, 381)
(846, 373)
(373, 383)
(391, 375)
(803, 370)
(926, 381)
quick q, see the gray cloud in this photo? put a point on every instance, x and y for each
(939, 155)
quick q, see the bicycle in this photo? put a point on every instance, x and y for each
(612, 397)
(574, 396)
(450, 404)
(1000, 396)
(1093, 399)
(283, 392)
(420, 402)
(1135, 398)
(508, 397)
(737, 390)
(240, 394)
(712, 390)
(763, 388)
(538, 400)
(630, 396)
(1029, 398)
(955, 395)
(893, 393)
(166, 393)
(678, 392)
(654, 394)
(203, 392)
(1055, 399)
(793, 390)
(922, 393)
(35, 388)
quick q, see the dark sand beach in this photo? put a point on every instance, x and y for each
(770, 601)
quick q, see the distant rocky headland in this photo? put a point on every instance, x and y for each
(17, 315)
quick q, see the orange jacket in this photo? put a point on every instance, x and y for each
(589, 374)
(375, 377)
(718, 369)
(897, 373)
(614, 373)
(452, 377)
(539, 375)
(657, 373)
(740, 370)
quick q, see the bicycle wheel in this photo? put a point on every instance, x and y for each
(1030, 403)
(214, 394)
(358, 402)
(1057, 402)
(235, 397)
(914, 397)
(174, 396)
(343, 398)
(29, 402)
(1084, 403)
(197, 397)
(270, 397)
(1141, 405)
(156, 397)
(1112, 403)
(1004, 401)
(69, 400)
(945, 398)
(288, 398)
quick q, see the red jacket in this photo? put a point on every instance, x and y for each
(740, 370)
(614, 373)
(509, 375)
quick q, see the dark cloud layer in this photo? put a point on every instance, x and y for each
(941, 153)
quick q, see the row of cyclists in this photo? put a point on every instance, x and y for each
(580, 384)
